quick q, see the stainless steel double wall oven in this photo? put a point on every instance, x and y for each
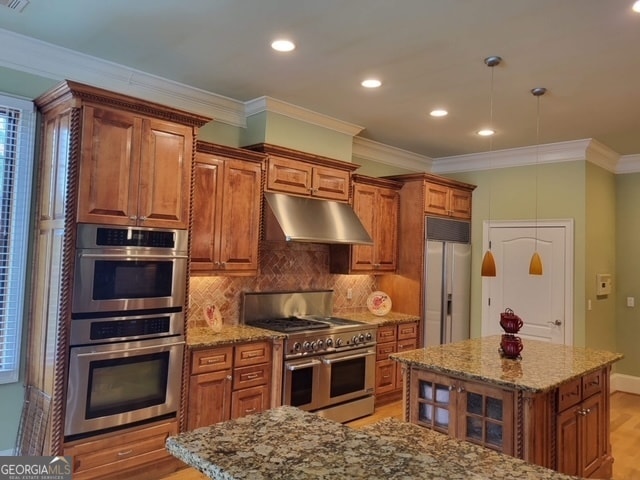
(127, 327)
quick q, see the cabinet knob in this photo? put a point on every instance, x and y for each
(229, 377)
(133, 217)
(142, 219)
(460, 389)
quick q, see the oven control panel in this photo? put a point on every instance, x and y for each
(301, 345)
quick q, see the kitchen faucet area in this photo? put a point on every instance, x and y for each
(272, 268)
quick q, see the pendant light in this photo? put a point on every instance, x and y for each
(488, 268)
(535, 266)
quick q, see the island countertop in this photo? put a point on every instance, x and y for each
(288, 443)
(543, 366)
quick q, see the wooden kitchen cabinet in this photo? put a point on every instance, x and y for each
(226, 200)
(376, 203)
(305, 174)
(581, 424)
(391, 339)
(447, 200)
(134, 169)
(228, 382)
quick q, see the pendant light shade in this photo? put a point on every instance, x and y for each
(535, 265)
(488, 268)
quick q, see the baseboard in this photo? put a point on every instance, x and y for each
(625, 383)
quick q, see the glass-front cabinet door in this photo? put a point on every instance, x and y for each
(433, 402)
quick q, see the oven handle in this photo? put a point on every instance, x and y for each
(129, 255)
(329, 361)
(299, 366)
(150, 347)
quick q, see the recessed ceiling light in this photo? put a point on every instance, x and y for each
(439, 112)
(282, 45)
(371, 83)
(486, 132)
(636, 6)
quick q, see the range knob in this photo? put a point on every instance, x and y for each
(361, 337)
(320, 344)
(306, 346)
(369, 336)
(314, 346)
(329, 342)
(338, 342)
(297, 347)
(354, 339)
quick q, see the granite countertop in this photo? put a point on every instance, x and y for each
(288, 443)
(202, 337)
(390, 318)
(543, 366)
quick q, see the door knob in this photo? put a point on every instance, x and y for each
(557, 323)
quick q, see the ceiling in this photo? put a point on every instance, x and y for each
(427, 53)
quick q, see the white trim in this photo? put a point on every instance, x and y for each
(601, 155)
(629, 164)
(625, 383)
(6, 453)
(396, 157)
(567, 224)
(268, 104)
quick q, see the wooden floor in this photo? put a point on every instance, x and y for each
(625, 436)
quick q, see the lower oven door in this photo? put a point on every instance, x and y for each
(113, 385)
(301, 383)
(347, 376)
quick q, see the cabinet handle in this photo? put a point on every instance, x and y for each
(142, 219)
(133, 217)
(251, 376)
(126, 452)
(451, 387)
(250, 410)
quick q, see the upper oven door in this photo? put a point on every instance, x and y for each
(118, 279)
(347, 375)
(301, 383)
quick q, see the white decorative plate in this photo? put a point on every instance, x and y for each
(212, 316)
(379, 303)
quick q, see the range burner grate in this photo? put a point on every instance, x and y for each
(288, 324)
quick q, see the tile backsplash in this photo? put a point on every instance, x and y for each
(283, 266)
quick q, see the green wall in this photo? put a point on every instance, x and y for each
(627, 281)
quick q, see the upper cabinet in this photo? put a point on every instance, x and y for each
(134, 170)
(305, 174)
(446, 199)
(376, 202)
(226, 210)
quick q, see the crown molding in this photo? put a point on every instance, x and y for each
(272, 105)
(629, 164)
(586, 149)
(46, 60)
(381, 153)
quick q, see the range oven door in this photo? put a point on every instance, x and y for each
(110, 280)
(347, 376)
(116, 384)
(301, 383)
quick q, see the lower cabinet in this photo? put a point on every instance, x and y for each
(136, 453)
(566, 429)
(392, 339)
(228, 382)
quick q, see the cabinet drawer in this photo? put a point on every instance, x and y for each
(407, 331)
(98, 458)
(211, 360)
(386, 334)
(569, 394)
(384, 349)
(252, 354)
(251, 376)
(404, 345)
(591, 384)
(249, 401)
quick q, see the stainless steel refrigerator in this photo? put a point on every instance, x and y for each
(447, 281)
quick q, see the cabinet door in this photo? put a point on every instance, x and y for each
(591, 431)
(385, 376)
(386, 229)
(240, 216)
(108, 170)
(289, 176)
(249, 400)
(485, 416)
(436, 199)
(364, 205)
(432, 402)
(209, 399)
(205, 224)
(567, 440)
(460, 204)
(165, 174)
(403, 346)
(330, 183)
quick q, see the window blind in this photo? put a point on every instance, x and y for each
(17, 123)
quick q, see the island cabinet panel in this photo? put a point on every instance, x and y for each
(134, 170)
(226, 209)
(392, 339)
(376, 202)
(120, 455)
(306, 174)
(229, 382)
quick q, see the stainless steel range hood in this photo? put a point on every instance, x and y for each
(304, 219)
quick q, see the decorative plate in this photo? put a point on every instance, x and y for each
(379, 303)
(212, 316)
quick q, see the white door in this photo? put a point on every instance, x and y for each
(544, 303)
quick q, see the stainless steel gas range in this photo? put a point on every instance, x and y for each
(329, 362)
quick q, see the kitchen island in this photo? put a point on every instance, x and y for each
(288, 443)
(549, 407)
